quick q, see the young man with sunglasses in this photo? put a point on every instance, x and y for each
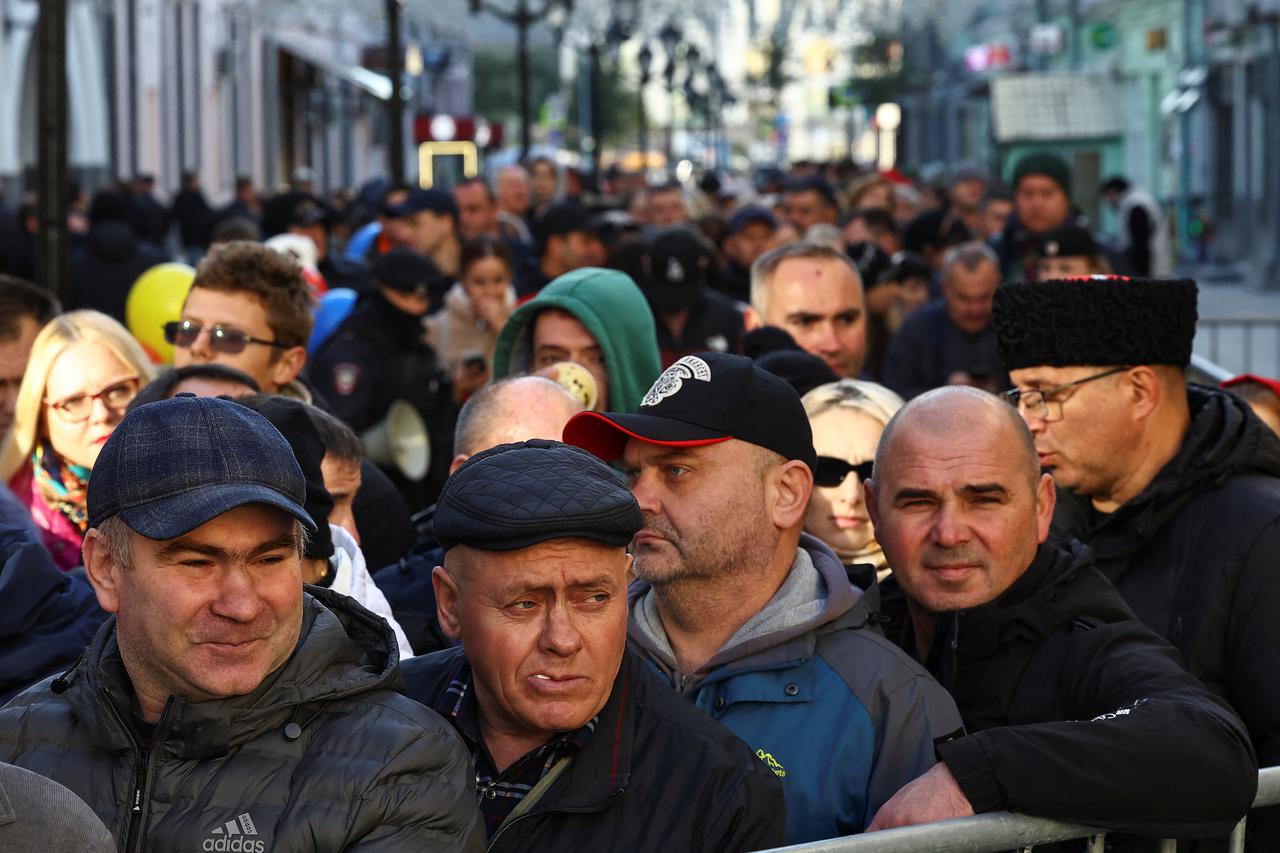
(753, 620)
(249, 308)
(1175, 487)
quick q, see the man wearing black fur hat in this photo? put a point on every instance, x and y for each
(1175, 487)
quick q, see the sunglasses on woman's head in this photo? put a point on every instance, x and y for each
(832, 471)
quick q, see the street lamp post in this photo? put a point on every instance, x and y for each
(692, 97)
(51, 80)
(645, 59)
(522, 17)
(395, 106)
(670, 38)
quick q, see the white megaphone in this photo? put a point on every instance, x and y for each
(400, 440)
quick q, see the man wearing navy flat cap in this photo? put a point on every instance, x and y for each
(754, 621)
(222, 707)
(427, 222)
(748, 236)
(577, 744)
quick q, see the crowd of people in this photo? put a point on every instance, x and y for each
(717, 516)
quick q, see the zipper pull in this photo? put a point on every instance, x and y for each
(137, 800)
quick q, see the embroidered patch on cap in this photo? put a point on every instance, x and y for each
(673, 378)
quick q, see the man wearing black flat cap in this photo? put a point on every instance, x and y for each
(577, 744)
(753, 620)
(1175, 487)
(378, 355)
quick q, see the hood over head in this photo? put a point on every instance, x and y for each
(613, 309)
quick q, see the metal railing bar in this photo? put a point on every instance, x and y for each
(1004, 831)
(1236, 842)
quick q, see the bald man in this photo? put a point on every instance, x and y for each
(504, 412)
(1074, 710)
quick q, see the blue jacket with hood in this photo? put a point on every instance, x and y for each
(839, 713)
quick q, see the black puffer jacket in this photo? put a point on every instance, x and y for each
(1077, 712)
(656, 775)
(324, 756)
(1197, 557)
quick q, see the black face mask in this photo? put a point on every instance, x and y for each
(664, 296)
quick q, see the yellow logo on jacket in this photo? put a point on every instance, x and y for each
(772, 763)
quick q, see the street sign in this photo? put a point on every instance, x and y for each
(1103, 35)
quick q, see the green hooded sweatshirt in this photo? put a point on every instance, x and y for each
(616, 314)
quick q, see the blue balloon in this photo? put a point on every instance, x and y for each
(335, 306)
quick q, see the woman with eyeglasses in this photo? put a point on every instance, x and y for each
(84, 369)
(847, 418)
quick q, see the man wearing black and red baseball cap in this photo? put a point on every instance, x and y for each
(753, 620)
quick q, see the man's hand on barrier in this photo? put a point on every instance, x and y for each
(934, 796)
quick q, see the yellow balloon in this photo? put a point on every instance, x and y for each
(155, 299)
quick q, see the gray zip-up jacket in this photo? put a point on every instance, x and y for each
(323, 756)
(843, 716)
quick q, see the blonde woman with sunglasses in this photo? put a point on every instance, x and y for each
(84, 369)
(847, 418)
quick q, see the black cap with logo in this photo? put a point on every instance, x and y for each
(676, 265)
(704, 399)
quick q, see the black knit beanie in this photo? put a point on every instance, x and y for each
(1100, 320)
(291, 419)
(1044, 163)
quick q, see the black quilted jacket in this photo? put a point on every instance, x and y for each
(656, 775)
(322, 757)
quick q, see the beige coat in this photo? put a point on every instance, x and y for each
(455, 332)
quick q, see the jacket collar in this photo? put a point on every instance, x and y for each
(602, 770)
(342, 650)
(1224, 439)
(979, 654)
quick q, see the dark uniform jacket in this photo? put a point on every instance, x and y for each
(928, 348)
(656, 775)
(377, 356)
(715, 324)
(1197, 557)
(323, 756)
(1076, 711)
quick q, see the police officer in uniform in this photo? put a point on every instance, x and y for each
(378, 355)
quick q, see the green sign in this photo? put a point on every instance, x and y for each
(842, 96)
(1103, 36)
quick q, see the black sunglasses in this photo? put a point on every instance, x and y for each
(223, 339)
(832, 471)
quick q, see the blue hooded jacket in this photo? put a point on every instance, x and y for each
(48, 616)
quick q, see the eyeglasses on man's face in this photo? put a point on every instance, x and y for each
(115, 396)
(832, 471)
(1039, 402)
(223, 339)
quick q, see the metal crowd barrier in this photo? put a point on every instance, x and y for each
(1251, 344)
(991, 833)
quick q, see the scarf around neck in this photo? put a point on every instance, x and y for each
(63, 486)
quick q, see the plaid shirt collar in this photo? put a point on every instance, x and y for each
(500, 792)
